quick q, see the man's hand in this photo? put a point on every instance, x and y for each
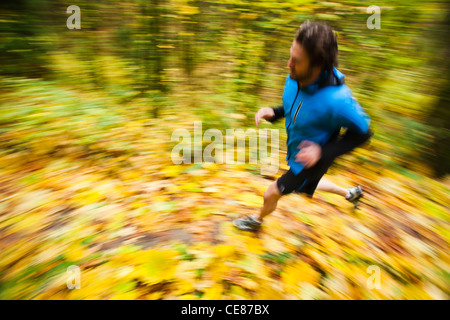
(264, 113)
(309, 154)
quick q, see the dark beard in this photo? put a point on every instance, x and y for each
(305, 76)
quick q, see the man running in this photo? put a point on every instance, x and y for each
(316, 104)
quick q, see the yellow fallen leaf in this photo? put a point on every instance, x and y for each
(224, 251)
(294, 274)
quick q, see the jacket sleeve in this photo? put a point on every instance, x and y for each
(339, 145)
(279, 113)
(349, 114)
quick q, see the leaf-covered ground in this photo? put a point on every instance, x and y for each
(88, 183)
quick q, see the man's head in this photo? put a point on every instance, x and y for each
(314, 49)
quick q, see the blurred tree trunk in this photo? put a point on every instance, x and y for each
(439, 117)
(152, 33)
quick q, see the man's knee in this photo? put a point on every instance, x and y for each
(272, 192)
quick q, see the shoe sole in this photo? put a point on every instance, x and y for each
(357, 201)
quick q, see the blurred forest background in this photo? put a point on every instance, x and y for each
(81, 107)
(231, 56)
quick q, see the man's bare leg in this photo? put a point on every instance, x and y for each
(328, 186)
(253, 223)
(271, 197)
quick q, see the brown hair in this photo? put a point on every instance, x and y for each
(319, 41)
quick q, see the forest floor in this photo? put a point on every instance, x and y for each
(100, 192)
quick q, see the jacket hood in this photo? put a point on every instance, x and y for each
(325, 79)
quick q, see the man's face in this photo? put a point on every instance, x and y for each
(298, 63)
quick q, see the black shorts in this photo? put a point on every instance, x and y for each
(306, 181)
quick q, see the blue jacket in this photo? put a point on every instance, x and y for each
(317, 112)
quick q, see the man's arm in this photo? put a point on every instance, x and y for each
(269, 114)
(351, 116)
(342, 144)
(279, 113)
